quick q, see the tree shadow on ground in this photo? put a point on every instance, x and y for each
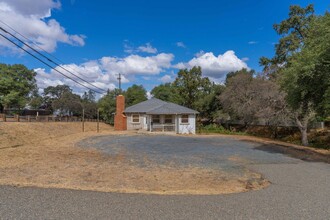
(298, 153)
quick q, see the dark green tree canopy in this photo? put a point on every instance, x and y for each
(68, 103)
(89, 96)
(52, 93)
(300, 64)
(56, 91)
(16, 85)
(245, 71)
(307, 76)
(135, 94)
(107, 105)
(192, 86)
(293, 32)
(166, 92)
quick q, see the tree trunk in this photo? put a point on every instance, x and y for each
(303, 130)
(304, 138)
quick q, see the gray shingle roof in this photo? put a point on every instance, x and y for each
(158, 107)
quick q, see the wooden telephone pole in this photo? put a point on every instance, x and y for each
(119, 79)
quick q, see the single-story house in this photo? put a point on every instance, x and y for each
(157, 115)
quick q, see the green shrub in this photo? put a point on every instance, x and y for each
(214, 128)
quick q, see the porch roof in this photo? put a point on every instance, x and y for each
(158, 107)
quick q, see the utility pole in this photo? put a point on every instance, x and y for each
(119, 79)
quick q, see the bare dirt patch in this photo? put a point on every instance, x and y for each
(46, 155)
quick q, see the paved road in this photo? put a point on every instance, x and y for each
(299, 190)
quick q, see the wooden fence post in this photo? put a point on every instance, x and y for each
(98, 120)
(83, 121)
(17, 118)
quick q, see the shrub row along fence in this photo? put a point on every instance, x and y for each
(43, 118)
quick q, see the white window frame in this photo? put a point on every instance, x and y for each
(187, 118)
(135, 122)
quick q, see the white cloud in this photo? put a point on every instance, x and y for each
(166, 79)
(104, 72)
(200, 53)
(180, 44)
(149, 96)
(215, 66)
(135, 64)
(29, 19)
(96, 78)
(147, 48)
(252, 42)
(128, 48)
(245, 59)
(181, 66)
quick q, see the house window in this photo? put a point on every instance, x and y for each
(156, 119)
(184, 119)
(136, 118)
(168, 119)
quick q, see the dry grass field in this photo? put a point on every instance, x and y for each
(46, 155)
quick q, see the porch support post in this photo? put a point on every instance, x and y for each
(175, 123)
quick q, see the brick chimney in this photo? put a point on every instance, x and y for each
(120, 118)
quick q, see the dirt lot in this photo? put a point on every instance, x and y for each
(46, 155)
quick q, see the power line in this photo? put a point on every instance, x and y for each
(36, 45)
(48, 64)
(16, 32)
(50, 60)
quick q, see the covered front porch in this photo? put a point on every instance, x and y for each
(162, 123)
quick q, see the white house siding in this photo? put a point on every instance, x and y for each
(136, 126)
(180, 128)
(187, 128)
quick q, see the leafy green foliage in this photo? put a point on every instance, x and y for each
(244, 71)
(215, 128)
(293, 32)
(208, 105)
(307, 76)
(302, 63)
(107, 106)
(192, 86)
(89, 104)
(52, 93)
(167, 92)
(68, 103)
(16, 84)
(89, 96)
(135, 94)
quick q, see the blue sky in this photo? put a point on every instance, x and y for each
(147, 41)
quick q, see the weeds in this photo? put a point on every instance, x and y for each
(218, 129)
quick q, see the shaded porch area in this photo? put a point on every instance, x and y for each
(162, 123)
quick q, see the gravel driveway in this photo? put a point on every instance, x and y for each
(226, 153)
(299, 189)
